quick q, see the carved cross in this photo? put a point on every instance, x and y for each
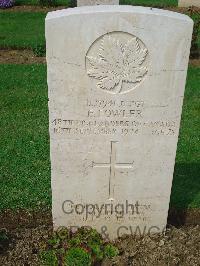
(112, 165)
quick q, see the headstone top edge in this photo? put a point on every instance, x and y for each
(117, 9)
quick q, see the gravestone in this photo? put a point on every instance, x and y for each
(187, 3)
(116, 78)
(96, 2)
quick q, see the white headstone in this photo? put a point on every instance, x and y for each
(187, 3)
(116, 78)
(97, 2)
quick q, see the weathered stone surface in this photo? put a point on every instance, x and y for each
(116, 78)
(97, 2)
(187, 3)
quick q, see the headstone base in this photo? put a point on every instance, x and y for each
(96, 2)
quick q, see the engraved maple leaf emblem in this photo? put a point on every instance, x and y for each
(117, 63)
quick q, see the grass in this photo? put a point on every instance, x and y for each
(21, 29)
(24, 142)
(156, 3)
(186, 184)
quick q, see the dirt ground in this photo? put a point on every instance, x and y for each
(8, 56)
(28, 8)
(179, 246)
(183, 9)
(195, 62)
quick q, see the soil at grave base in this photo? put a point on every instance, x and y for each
(13, 56)
(28, 8)
(28, 230)
(183, 9)
(195, 62)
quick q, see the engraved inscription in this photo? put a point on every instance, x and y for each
(115, 108)
(114, 117)
(117, 63)
(114, 127)
(112, 165)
